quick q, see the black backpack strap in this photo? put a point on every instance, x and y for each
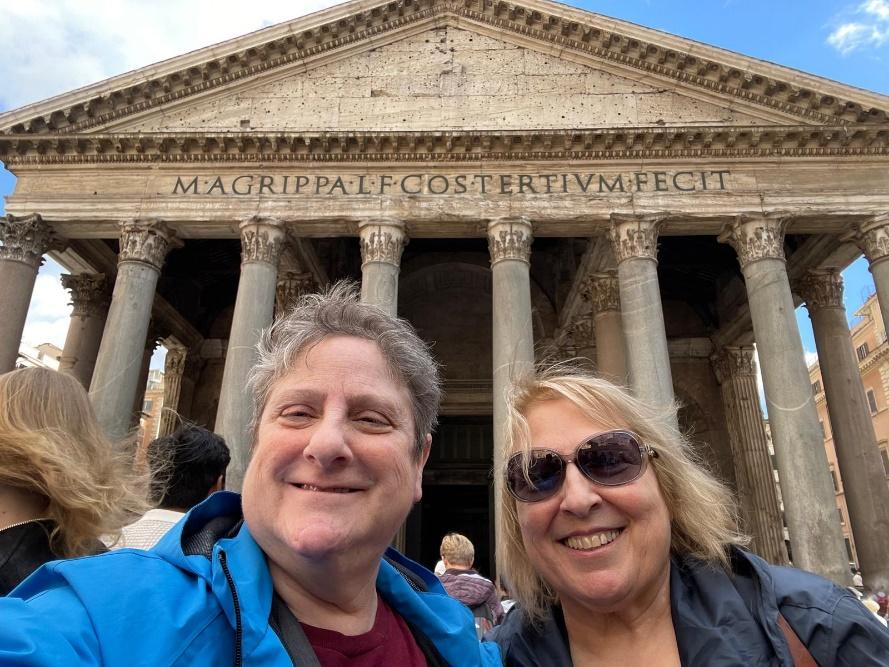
(291, 634)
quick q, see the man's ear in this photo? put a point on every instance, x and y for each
(421, 463)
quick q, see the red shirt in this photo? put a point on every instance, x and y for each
(389, 642)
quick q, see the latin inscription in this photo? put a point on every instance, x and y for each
(357, 185)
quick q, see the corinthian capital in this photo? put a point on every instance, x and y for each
(90, 294)
(821, 288)
(583, 331)
(24, 239)
(872, 236)
(634, 236)
(602, 291)
(262, 240)
(755, 237)
(733, 362)
(382, 240)
(510, 238)
(146, 241)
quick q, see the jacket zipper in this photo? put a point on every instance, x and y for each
(238, 630)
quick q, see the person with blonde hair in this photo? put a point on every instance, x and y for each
(461, 581)
(621, 548)
(63, 484)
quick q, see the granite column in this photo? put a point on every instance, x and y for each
(174, 366)
(261, 243)
(24, 240)
(509, 244)
(806, 487)
(143, 248)
(90, 297)
(634, 241)
(872, 236)
(864, 480)
(603, 292)
(758, 498)
(382, 242)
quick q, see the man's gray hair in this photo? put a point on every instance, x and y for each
(338, 311)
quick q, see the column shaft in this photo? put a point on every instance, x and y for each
(634, 240)
(25, 239)
(509, 243)
(382, 242)
(864, 483)
(757, 495)
(89, 296)
(115, 382)
(806, 487)
(603, 291)
(261, 242)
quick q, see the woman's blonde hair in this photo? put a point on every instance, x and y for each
(702, 510)
(52, 445)
(457, 549)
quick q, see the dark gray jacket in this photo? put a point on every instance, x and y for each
(724, 621)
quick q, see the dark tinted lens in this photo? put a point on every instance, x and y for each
(543, 478)
(610, 459)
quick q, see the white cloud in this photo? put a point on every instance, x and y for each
(54, 46)
(870, 28)
(811, 358)
(49, 312)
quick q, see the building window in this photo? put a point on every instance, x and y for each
(849, 549)
(862, 351)
(816, 387)
(823, 433)
(871, 401)
(836, 484)
(842, 518)
(885, 456)
(147, 405)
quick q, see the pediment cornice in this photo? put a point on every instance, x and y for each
(810, 99)
(360, 147)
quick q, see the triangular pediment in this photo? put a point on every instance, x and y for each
(449, 79)
(444, 65)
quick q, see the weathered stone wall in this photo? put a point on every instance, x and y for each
(444, 79)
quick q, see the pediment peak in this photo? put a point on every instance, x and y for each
(363, 23)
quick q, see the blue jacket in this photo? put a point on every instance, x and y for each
(726, 621)
(198, 599)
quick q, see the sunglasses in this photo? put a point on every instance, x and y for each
(612, 458)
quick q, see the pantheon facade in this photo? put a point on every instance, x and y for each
(518, 180)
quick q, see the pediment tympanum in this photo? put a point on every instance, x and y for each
(443, 79)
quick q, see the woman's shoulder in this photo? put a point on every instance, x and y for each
(526, 644)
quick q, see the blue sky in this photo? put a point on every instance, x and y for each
(57, 45)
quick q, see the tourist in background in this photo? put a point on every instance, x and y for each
(467, 585)
(622, 549)
(63, 484)
(186, 467)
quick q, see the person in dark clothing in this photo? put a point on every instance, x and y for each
(464, 583)
(62, 483)
(622, 549)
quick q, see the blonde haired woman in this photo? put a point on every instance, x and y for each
(62, 482)
(622, 549)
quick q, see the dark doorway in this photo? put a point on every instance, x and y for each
(457, 492)
(455, 509)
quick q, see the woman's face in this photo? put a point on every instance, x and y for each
(629, 524)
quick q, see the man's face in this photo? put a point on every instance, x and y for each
(334, 471)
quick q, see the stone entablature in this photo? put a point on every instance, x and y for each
(729, 142)
(546, 26)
